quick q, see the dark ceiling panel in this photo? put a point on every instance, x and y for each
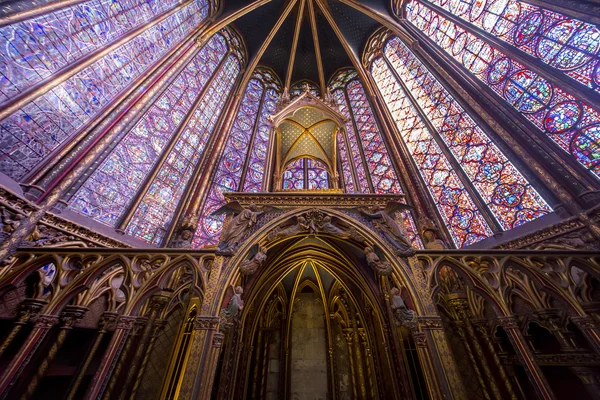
(334, 55)
(278, 52)
(256, 25)
(305, 66)
(356, 26)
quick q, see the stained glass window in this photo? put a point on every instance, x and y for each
(33, 50)
(294, 176)
(305, 174)
(351, 99)
(569, 45)
(465, 222)
(511, 199)
(250, 131)
(318, 178)
(299, 87)
(107, 192)
(36, 48)
(152, 217)
(571, 123)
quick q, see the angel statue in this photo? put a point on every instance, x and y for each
(431, 235)
(301, 226)
(244, 219)
(382, 267)
(403, 315)
(383, 219)
(235, 306)
(248, 267)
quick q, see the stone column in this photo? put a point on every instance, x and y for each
(448, 377)
(42, 326)
(69, 317)
(217, 344)
(158, 326)
(589, 327)
(157, 303)
(368, 360)
(534, 372)
(349, 336)
(461, 308)
(110, 358)
(106, 323)
(196, 377)
(484, 335)
(429, 370)
(28, 310)
(200, 352)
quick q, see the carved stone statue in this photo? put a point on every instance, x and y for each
(184, 239)
(248, 267)
(326, 226)
(431, 236)
(284, 233)
(9, 222)
(391, 230)
(403, 315)
(382, 267)
(235, 306)
(232, 234)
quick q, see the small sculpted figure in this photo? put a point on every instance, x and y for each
(382, 267)
(248, 267)
(403, 315)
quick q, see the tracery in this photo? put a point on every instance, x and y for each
(107, 193)
(37, 50)
(570, 122)
(238, 167)
(366, 145)
(566, 44)
(306, 174)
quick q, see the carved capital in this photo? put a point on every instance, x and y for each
(159, 301)
(420, 339)
(71, 315)
(108, 321)
(509, 322)
(218, 340)
(126, 323)
(46, 321)
(430, 322)
(29, 309)
(207, 322)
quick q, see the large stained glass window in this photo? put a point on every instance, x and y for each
(242, 162)
(366, 146)
(154, 213)
(465, 222)
(571, 123)
(511, 199)
(38, 49)
(108, 191)
(569, 45)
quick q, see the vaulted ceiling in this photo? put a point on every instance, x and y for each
(256, 25)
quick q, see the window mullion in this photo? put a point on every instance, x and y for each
(359, 141)
(251, 143)
(545, 71)
(477, 199)
(163, 157)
